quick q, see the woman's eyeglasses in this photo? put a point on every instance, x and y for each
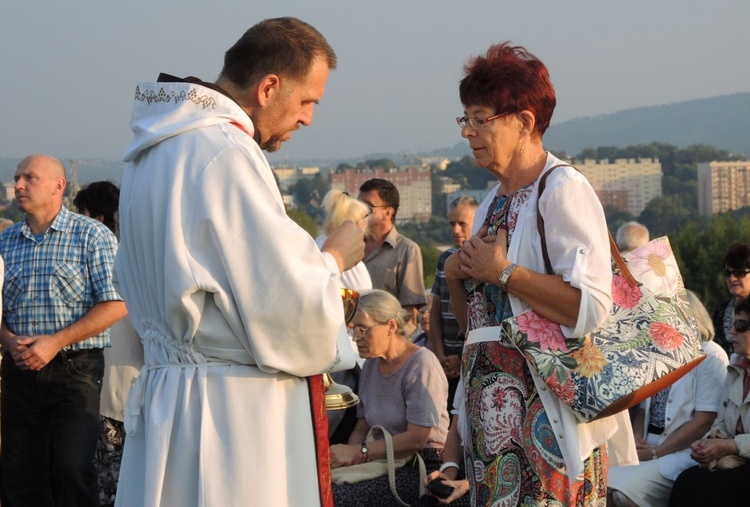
(738, 273)
(358, 330)
(740, 325)
(474, 121)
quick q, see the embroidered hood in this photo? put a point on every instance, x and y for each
(166, 109)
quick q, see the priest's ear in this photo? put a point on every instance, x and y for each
(268, 89)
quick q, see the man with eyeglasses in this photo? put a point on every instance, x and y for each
(394, 261)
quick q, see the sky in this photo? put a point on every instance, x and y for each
(68, 69)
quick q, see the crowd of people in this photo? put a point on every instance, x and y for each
(182, 365)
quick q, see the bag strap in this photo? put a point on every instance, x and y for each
(392, 466)
(614, 251)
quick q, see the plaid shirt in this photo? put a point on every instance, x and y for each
(53, 282)
(453, 344)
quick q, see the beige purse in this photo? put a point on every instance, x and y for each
(380, 467)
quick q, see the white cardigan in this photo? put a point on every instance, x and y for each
(698, 391)
(578, 246)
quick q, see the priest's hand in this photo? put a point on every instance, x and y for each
(347, 245)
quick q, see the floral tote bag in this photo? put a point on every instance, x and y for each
(648, 342)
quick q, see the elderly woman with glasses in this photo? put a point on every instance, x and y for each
(721, 476)
(521, 445)
(402, 388)
(735, 267)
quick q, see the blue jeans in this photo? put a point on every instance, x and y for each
(50, 425)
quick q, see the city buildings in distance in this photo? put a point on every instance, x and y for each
(723, 186)
(626, 184)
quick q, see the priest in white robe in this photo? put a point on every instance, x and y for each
(234, 303)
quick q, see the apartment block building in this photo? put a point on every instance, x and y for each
(414, 186)
(723, 186)
(627, 184)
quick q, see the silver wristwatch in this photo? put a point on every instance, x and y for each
(505, 276)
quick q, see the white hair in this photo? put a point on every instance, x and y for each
(630, 236)
(340, 207)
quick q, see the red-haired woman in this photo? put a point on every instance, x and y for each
(521, 445)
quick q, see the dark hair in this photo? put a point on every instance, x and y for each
(386, 190)
(284, 46)
(737, 257)
(509, 79)
(99, 198)
(742, 306)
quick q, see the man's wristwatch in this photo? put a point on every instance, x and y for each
(364, 450)
(505, 276)
(653, 453)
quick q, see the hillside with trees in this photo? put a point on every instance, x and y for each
(723, 122)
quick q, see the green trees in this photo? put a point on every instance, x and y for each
(308, 192)
(428, 236)
(303, 220)
(666, 215)
(699, 247)
(466, 172)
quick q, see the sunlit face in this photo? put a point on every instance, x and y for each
(291, 107)
(741, 334)
(363, 222)
(495, 143)
(460, 220)
(371, 337)
(381, 212)
(424, 318)
(37, 186)
(739, 286)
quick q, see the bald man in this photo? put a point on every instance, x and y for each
(58, 303)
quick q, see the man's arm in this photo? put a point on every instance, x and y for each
(40, 349)
(410, 282)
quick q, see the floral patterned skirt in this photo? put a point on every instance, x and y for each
(107, 460)
(511, 452)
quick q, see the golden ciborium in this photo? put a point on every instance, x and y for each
(340, 396)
